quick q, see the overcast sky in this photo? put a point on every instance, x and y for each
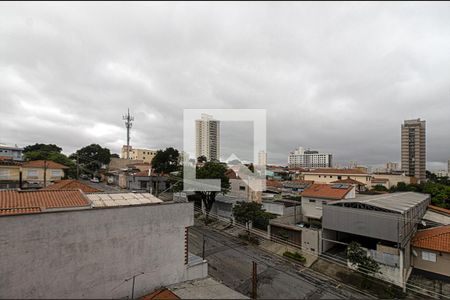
(339, 78)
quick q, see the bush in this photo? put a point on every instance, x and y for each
(249, 238)
(295, 256)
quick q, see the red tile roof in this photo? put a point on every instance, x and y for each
(437, 238)
(231, 174)
(40, 164)
(439, 209)
(349, 181)
(274, 183)
(160, 294)
(12, 201)
(336, 171)
(72, 184)
(326, 191)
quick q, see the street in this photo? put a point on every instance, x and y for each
(230, 261)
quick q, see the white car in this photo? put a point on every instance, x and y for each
(95, 180)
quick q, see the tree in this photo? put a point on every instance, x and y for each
(379, 188)
(245, 212)
(358, 257)
(92, 157)
(212, 170)
(202, 159)
(50, 152)
(166, 161)
(115, 155)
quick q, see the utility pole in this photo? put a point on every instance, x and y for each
(254, 280)
(128, 124)
(203, 248)
(78, 167)
(45, 173)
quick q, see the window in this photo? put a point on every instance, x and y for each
(56, 173)
(143, 184)
(33, 173)
(242, 188)
(339, 177)
(312, 201)
(429, 256)
(4, 174)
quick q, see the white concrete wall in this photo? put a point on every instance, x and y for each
(89, 253)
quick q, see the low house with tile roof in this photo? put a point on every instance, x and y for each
(319, 194)
(72, 184)
(330, 175)
(431, 250)
(67, 244)
(33, 171)
(358, 184)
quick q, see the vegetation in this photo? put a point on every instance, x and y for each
(92, 157)
(379, 188)
(295, 256)
(53, 153)
(166, 161)
(249, 238)
(440, 193)
(245, 212)
(358, 257)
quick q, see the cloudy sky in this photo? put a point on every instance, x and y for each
(339, 78)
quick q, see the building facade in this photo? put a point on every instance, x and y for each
(413, 148)
(11, 152)
(207, 138)
(144, 155)
(301, 158)
(262, 158)
(391, 166)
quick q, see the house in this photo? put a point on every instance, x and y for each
(145, 181)
(389, 180)
(295, 187)
(9, 174)
(72, 184)
(330, 175)
(38, 171)
(359, 186)
(319, 194)
(70, 244)
(11, 152)
(431, 250)
(240, 189)
(383, 224)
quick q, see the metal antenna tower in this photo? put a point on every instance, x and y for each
(128, 124)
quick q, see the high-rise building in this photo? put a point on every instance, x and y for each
(391, 166)
(207, 136)
(414, 149)
(262, 158)
(301, 158)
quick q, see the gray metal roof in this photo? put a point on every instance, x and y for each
(397, 202)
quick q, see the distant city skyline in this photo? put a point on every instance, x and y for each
(342, 85)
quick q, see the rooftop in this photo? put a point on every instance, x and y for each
(41, 163)
(327, 191)
(349, 181)
(120, 199)
(437, 238)
(396, 202)
(336, 171)
(72, 184)
(439, 209)
(23, 202)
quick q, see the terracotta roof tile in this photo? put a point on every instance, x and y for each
(326, 191)
(439, 209)
(72, 184)
(30, 201)
(336, 171)
(160, 294)
(437, 238)
(274, 183)
(349, 181)
(40, 164)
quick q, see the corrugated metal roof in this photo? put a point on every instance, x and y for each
(398, 202)
(120, 199)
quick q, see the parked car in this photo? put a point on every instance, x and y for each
(95, 179)
(84, 176)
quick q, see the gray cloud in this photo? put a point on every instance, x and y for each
(340, 78)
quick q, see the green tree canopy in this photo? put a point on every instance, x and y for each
(252, 211)
(92, 157)
(166, 161)
(51, 152)
(358, 257)
(42, 148)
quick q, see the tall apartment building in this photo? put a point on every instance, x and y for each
(207, 138)
(391, 166)
(414, 149)
(262, 158)
(301, 158)
(146, 155)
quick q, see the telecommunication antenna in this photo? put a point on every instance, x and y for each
(128, 124)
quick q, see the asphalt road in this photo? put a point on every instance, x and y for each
(230, 261)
